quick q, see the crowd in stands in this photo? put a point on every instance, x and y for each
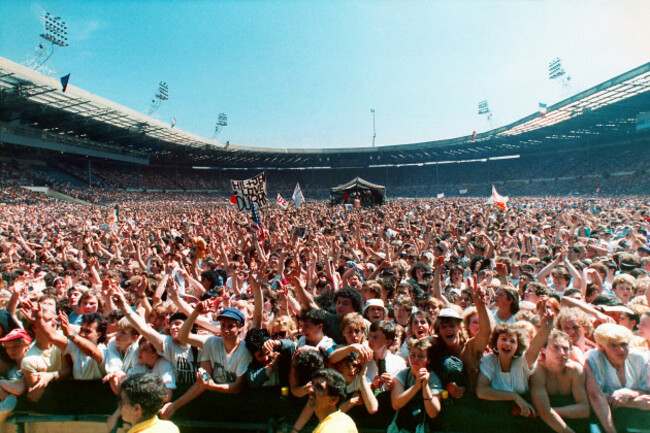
(407, 306)
(606, 170)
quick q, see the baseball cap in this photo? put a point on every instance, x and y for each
(233, 313)
(15, 334)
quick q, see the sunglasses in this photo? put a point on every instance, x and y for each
(279, 335)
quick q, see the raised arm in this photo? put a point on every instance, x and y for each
(482, 337)
(153, 336)
(305, 298)
(539, 340)
(86, 346)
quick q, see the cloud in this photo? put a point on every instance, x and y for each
(84, 30)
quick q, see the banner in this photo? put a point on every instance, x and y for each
(462, 191)
(441, 195)
(250, 190)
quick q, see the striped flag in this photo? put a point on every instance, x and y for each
(282, 202)
(256, 221)
(297, 196)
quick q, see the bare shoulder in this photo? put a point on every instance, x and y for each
(574, 369)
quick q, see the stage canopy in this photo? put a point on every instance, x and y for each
(368, 194)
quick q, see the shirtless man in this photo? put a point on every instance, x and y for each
(559, 376)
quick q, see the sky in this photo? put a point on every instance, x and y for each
(305, 74)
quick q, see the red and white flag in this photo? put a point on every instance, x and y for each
(498, 199)
(282, 202)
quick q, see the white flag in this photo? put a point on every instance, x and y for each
(282, 202)
(441, 195)
(498, 199)
(297, 196)
(463, 191)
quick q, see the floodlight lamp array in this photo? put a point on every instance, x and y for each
(55, 30)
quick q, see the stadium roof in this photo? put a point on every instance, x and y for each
(32, 101)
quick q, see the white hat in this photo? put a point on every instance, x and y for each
(375, 303)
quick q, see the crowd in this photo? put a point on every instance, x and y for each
(417, 302)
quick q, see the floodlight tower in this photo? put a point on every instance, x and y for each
(221, 122)
(374, 132)
(159, 97)
(483, 108)
(55, 31)
(557, 72)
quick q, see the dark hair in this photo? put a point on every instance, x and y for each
(334, 382)
(513, 295)
(147, 390)
(306, 362)
(607, 300)
(509, 329)
(213, 278)
(177, 316)
(387, 328)
(101, 324)
(353, 295)
(255, 339)
(316, 317)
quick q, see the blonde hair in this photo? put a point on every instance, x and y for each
(284, 321)
(575, 313)
(353, 319)
(124, 326)
(612, 333)
(625, 279)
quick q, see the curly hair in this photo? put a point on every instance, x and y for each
(353, 295)
(255, 339)
(306, 362)
(512, 330)
(284, 321)
(147, 390)
(579, 316)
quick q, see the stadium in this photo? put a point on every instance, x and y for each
(150, 281)
(597, 139)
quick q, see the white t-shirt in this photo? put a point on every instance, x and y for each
(115, 361)
(636, 370)
(515, 380)
(162, 368)
(325, 343)
(83, 366)
(394, 364)
(226, 368)
(182, 358)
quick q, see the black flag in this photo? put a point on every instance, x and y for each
(64, 81)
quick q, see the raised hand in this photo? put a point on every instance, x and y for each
(65, 324)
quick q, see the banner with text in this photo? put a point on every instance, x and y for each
(250, 190)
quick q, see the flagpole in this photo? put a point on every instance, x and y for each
(374, 133)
